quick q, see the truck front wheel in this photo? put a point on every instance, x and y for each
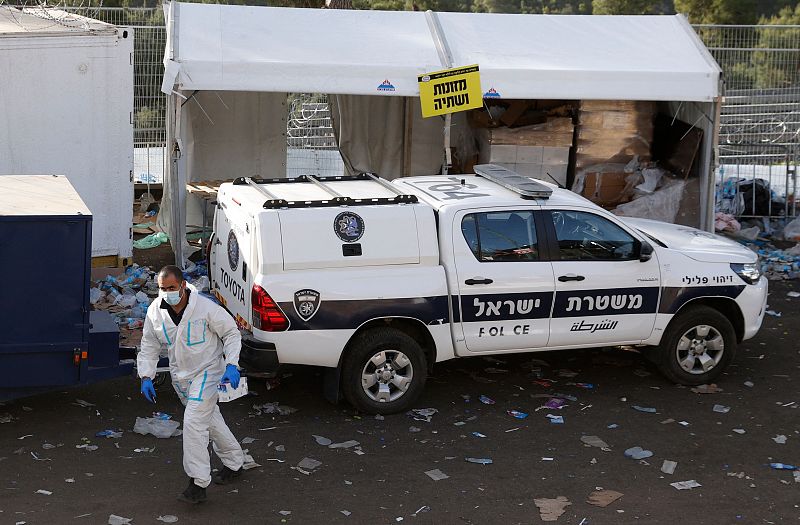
(384, 371)
(699, 343)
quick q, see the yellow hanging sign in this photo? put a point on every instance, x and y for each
(450, 91)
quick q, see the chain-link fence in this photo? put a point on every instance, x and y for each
(758, 136)
(760, 123)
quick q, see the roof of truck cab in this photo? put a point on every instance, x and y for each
(447, 192)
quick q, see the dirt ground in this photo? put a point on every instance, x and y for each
(532, 458)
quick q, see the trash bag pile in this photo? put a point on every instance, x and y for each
(763, 236)
(127, 296)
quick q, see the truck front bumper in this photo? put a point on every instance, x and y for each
(258, 356)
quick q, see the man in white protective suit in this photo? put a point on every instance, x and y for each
(203, 343)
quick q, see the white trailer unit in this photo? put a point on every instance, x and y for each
(66, 107)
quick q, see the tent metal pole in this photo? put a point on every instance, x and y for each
(446, 58)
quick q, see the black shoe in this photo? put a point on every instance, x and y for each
(226, 475)
(193, 494)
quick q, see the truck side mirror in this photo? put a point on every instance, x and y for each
(645, 251)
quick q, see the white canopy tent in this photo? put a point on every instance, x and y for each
(228, 68)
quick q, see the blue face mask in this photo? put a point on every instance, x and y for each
(172, 298)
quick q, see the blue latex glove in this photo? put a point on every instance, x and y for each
(148, 390)
(231, 376)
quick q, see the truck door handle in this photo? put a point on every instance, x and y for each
(478, 280)
(571, 277)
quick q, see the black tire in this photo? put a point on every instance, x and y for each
(358, 359)
(668, 356)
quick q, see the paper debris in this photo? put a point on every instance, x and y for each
(309, 464)
(551, 509)
(322, 440)
(345, 512)
(249, 462)
(594, 441)
(422, 414)
(284, 512)
(780, 439)
(721, 409)
(740, 430)
(436, 474)
(45, 492)
(648, 410)
(668, 467)
(344, 444)
(603, 498)
(685, 485)
(247, 440)
(169, 518)
(113, 519)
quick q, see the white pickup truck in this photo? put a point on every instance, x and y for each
(379, 280)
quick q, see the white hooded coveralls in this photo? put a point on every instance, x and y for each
(205, 340)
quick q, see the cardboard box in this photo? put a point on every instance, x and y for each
(606, 189)
(554, 132)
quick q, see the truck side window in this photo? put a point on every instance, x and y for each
(585, 236)
(501, 236)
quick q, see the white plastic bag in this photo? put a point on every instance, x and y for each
(160, 428)
(791, 232)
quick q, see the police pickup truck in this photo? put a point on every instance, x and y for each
(378, 280)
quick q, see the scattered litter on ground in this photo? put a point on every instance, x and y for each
(420, 510)
(144, 450)
(322, 440)
(45, 492)
(113, 519)
(308, 464)
(793, 294)
(161, 415)
(721, 409)
(478, 435)
(280, 448)
(773, 313)
(414, 429)
(379, 417)
(707, 389)
(782, 466)
(69, 480)
(551, 509)
(556, 420)
(685, 485)
(555, 403)
(436, 474)
(648, 410)
(284, 512)
(739, 430)
(780, 439)
(749, 384)
(668, 467)
(344, 444)
(517, 414)
(486, 400)
(479, 461)
(249, 462)
(511, 430)
(274, 408)
(603, 498)
(109, 434)
(594, 441)
(248, 440)
(6, 418)
(82, 403)
(422, 414)
(638, 453)
(169, 518)
(160, 428)
(87, 447)
(612, 426)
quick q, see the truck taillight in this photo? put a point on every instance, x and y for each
(266, 314)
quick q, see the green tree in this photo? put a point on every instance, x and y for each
(718, 11)
(778, 69)
(630, 7)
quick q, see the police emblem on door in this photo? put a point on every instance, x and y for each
(306, 303)
(233, 251)
(348, 226)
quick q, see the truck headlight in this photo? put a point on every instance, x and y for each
(750, 272)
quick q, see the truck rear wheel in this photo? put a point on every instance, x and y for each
(699, 344)
(384, 371)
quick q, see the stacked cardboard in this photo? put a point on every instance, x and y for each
(540, 151)
(614, 131)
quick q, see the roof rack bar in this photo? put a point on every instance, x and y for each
(391, 187)
(525, 187)
(325, 187)
(253, 184)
